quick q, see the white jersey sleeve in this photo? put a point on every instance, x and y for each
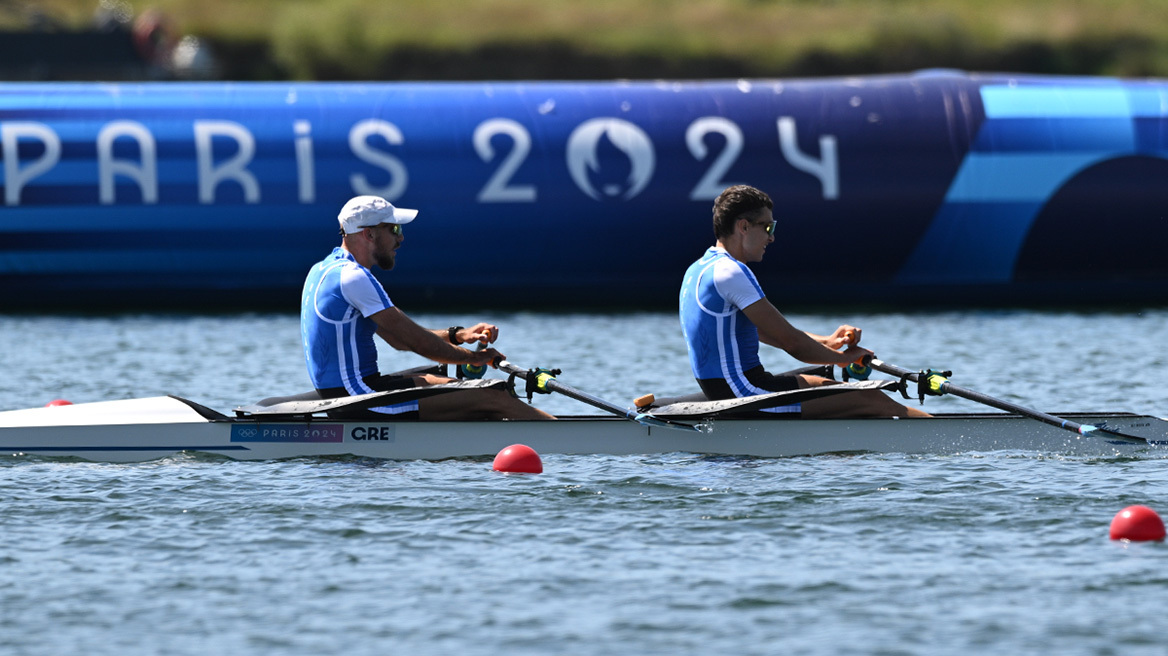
(363, 291)
(736, 284)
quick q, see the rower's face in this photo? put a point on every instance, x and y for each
(387, 238)
(759, 234)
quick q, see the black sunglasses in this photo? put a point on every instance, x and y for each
(393, 227)
(769, 227)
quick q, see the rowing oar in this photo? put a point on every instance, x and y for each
(938, 384)
(544, 380)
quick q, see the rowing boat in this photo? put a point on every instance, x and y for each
(306, 425)
(149, 428)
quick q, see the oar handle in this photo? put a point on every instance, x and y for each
(473, 371)
(858, 370)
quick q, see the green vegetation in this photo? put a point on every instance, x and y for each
(603, 39)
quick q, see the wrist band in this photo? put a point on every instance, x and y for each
(452, 334)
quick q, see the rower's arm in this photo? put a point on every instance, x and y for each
(404, 334)
(842, 336)
(775, 330)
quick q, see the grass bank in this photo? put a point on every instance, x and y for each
(604, 39)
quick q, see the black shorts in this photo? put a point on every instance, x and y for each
(717, 389)
(378, 383)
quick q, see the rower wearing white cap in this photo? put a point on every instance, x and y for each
(343, 306)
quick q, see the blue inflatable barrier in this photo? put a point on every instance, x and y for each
(933, 188)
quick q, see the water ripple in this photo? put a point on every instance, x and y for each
(660, 554)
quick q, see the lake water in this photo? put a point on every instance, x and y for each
(656, 554)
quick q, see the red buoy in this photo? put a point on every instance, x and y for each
(57, 402)
(520, 459)
(1137, 524)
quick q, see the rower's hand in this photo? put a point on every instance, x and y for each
(482, 333)
(857, 354)
(483, 357)
(843, 336)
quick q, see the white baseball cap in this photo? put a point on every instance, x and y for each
(366, 211)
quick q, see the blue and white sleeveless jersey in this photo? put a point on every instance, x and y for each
(339, 297)
(722, 341)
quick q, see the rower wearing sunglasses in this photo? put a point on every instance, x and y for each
(343, 306)
(725, 314)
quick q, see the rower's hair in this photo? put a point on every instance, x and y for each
(736, 203)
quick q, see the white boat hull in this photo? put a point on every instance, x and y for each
(146, 429)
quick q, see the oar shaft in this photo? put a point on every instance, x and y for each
(556, 386)
(956, 390)
(584, 397)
